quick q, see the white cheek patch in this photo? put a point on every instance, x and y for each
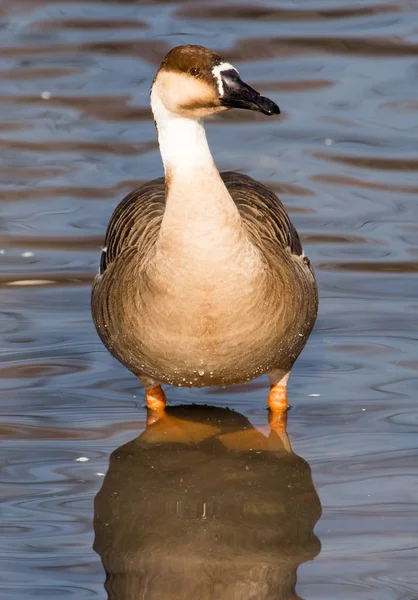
(216, 72)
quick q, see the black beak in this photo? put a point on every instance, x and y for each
(237, 94)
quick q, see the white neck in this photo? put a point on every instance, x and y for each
(182, 141)
(200, 214)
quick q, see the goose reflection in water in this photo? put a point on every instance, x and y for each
(203, 506)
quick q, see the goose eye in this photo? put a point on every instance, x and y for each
(195, 72)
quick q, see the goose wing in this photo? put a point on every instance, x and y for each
(263, 213)
(135, 222)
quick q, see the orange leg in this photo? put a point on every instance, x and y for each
(277, 399)
(155, 397)
(277, 402)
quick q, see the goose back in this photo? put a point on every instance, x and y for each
(136, 221)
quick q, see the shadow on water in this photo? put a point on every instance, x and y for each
(203, 505)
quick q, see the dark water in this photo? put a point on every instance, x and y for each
(76, 134)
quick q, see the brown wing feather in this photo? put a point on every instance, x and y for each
(137, 219)
(135, 222)
(262, 211)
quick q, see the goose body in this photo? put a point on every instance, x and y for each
(203, 280)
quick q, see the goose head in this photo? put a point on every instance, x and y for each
(194, 82)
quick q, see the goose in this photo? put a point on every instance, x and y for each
(203, 280)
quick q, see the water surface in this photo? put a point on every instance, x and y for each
(76, 135)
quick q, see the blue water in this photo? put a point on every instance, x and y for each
(76, 135)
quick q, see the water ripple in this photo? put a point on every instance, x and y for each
(76, 136)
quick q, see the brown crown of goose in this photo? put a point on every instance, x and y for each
(186, 83)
